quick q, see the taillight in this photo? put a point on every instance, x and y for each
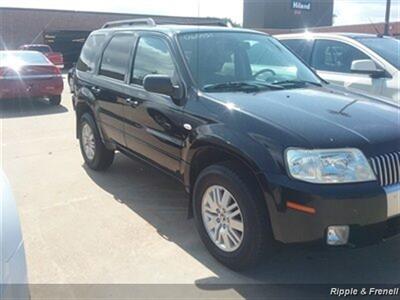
(2, 72)
(6, 72)
(55, 70)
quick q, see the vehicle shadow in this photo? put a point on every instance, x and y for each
(162, 202)
(19, 108)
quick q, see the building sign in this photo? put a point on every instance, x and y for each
(301, 4)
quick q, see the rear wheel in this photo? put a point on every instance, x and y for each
(231, 217)
(94, 152)
(55, 100)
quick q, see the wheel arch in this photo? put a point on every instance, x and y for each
(81, 108)
(208, 151)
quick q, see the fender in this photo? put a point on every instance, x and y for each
(249, 151)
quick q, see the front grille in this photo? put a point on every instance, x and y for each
(387, 168)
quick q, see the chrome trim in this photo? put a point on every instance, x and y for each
(393, 200)
(32, 77)
(387, 168)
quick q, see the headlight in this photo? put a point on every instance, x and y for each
(329, 166)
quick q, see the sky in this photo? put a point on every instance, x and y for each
(347, 11)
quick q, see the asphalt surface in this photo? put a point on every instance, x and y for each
(129, 224)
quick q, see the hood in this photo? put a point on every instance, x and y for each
(325, 117)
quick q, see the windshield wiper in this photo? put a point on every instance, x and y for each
(296, 82)
(240, 86)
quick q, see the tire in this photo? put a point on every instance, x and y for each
(55, 100)
(71, 85)
(101, 158)
(257, 239)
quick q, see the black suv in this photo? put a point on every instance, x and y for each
(267, 151)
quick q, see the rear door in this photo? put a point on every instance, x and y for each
(333, 59)
(109, 86)
(153, 128)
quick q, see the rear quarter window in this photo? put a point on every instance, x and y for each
(116, 56)
(301, 47)
(87, 59)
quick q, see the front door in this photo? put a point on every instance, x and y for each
(153, 126)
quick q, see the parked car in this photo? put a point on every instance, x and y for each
(266, 150)
(362, 62)
(55, 57)
(29, 74)
(13, 275)
(71, 75)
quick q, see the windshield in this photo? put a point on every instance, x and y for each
(43, 49)
(388, 48)
(222, 58)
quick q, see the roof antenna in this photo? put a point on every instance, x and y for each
(375, 28)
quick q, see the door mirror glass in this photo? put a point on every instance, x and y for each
(366, 66)
(162, 84)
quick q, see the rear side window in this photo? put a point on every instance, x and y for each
(302, 48)
(152, 57)
(116, 57)
(335, 56)
(42, 49)
(86, 62)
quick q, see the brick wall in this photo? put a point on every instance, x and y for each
(24, 26)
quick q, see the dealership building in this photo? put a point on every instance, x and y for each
(287, 14)
(65, 31)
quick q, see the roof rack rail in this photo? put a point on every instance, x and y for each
(131, 22)
(200, 22)
(152, 22)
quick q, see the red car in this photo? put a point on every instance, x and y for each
(55, 57)
(29, 74)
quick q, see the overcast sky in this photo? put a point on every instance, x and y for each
(347, 11)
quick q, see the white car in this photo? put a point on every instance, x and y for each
(13, 274)
(360, 62)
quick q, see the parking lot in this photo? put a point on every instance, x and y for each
(129, 224)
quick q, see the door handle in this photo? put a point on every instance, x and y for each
(96, 90)
(131, 102)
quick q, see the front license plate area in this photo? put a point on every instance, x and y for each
(393, 200)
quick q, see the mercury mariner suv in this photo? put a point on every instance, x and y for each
(268, 152)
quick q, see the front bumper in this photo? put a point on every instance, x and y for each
(371, 211)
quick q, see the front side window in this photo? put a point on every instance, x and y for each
(152, 57)
(116, 57)
(86, 62)
(335, 56)
(216, 58)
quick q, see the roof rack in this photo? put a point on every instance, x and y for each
(152, 22)
(131, 22)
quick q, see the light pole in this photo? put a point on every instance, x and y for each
(387, 17)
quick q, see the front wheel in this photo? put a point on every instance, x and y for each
(231, 217)
(94, 152)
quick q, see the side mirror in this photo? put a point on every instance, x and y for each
(162, 84)
(367, 66)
